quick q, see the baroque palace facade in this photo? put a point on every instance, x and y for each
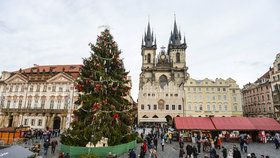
(167, 91)
(39, 97)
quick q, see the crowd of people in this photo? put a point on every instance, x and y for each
(202, 145)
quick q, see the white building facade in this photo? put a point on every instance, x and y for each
(39, 97)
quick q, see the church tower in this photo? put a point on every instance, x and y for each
(148, 49)
(162, 78)
(177, 48)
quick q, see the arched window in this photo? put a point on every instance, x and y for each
(178, 57)
(155, 107)
(149, 58)
(149, 107)
(163, 81)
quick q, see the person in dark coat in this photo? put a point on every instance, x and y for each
(155, 142)
(213, 153)
(46, 147)
(224, 151)
(132, 154)
(194, 152)
(236, 152)
(142, 153)
(181, 153)
(189, 150)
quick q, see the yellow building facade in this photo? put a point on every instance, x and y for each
(212, 98)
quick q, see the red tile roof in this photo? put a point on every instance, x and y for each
(49, 71)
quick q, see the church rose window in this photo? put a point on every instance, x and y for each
(163, 81)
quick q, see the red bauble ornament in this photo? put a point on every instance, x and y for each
(97, 87)
(95, 106)
(116, 116)
(87, 81)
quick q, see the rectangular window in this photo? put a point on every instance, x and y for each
(190, 107)
(224, 89)
(194, 89)
(200, 108)
(31, 88)
(32, 122)
(173, 107)
(155, 107)
(208, 107)
(166, 107)
(225, 97)
(268, 97)
(233, 91)
(220, 107)
(214, 107)
(29, 103)
(235, 107)
(60, 89)
(22, 88)
(195, 107)
(234, 99)
(176, 95)
(225, 107)
(59, 104)
(38, 88)
(149, 107)
(43, 101)
(40, 122)
(214, 98)
(19, 104)
(11, 88)
(53, 88)
(16, 88)
(25, 122)
(51, 104)
(219, 97)
(36, 104)
(8, 104)
(45, 88)
(142, 107)
(179, 107)
(218, 89)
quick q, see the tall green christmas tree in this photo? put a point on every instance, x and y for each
(103, 110)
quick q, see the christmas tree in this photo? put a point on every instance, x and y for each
(103, 110)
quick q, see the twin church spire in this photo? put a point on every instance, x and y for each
(175, 38)
(149, 40)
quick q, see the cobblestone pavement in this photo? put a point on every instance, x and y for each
(172, 150)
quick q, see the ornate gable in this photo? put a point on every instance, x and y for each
(17, 78)
(61, 78)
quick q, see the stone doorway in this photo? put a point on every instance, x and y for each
(56, 122)
(10, 123)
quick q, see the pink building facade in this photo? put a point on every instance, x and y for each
(257, 98)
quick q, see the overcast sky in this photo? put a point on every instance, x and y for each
(237, 39)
